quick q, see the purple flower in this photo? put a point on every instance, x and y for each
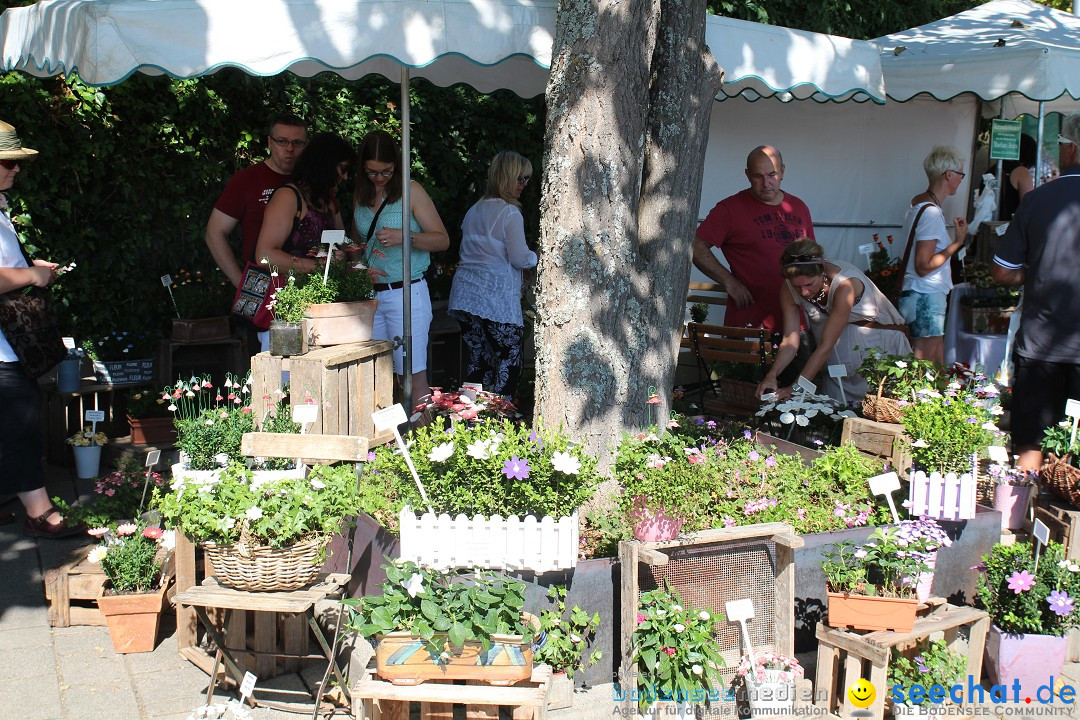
(1021, 581)
(770, 461)
(536, 440)
(841, 509)
(516, 469)
(754, 456)
(699, 421)
(1060, 603)
(747, 434)
(921, 663)
(371, 457)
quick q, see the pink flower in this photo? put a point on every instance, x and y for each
(641, 618)
(1021, 581)
(669, 650)
(126, 529)
(110, 492)
(97, 532)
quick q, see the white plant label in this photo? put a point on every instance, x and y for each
(1072, 408)
(305, 413)
(69, 343)
(998, 454)
(866, 248)
(837, 371)
(166, 280)
(248, 686)
(805, 385)
(886, 484)
(331, 238)
(388, 418)
(1001, 229)
(738, 610)
(95, 416)
(1041, 532)
(152, 458)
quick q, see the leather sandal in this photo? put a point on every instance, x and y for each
(41, 527)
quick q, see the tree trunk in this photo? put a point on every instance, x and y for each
(631, 89)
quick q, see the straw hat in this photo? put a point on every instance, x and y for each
(11, 147)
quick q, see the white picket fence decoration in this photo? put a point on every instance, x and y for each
(942, 498)
(511, 544)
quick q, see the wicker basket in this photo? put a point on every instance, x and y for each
(262, 568)
(881, 409)
(739, 394)
(1062, 479)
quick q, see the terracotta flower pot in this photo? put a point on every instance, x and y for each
(152, 431)
(133, 619)
(864, 612)
(340, 323)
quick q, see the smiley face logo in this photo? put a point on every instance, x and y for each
(861, 693)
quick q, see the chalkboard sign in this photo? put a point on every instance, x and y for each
(124, 372)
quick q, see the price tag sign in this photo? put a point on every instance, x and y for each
(388, 418)
(1072, 409)
(333, 238)
(740, 609)
(1041, 532)
(886, 484)
(69, 343)
(166, 280)
(837, 371)
(867, 248)
(152, 458)
(1000, 229)
(998, 454)
(248, 686)
(95, 416)
(305, 413)
(805, 385)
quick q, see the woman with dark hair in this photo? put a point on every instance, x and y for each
(486, 295)
(378, 217)
(21, 446)
(1018, 177)
(845, 311)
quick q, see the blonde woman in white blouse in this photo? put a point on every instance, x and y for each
(486, 295)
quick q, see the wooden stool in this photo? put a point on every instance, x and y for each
(875, 649)
(212, 596)
(381, 700)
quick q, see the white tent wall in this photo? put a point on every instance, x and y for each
(852, 163)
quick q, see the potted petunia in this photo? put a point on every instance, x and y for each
(869, 587)
(86, 445)
(1032, 608)
(927, 664)
(675, 655)
(496, 469)
(131, 556)
(769, 680)
(434, 625)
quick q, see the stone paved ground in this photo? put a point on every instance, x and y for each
(74, 674)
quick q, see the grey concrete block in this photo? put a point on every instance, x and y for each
(106, 701)
(25, 637)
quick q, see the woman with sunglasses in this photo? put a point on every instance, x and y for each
(486, 294)
(21, 445)
(928, 275)
(300, 210)
(377, 227)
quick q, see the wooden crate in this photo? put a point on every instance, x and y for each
(844, 657)
(201, 330)
(381, 700)
(65, 414)
(72, 590)
(347, 382)
(178, 359)
(883, 440)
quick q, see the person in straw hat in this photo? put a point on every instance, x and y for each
(21, 444)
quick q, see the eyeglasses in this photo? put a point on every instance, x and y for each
(344, 167)
(286, 142)
(9, 164)
(380, 173)
(961, 174)
(1062, 140)
(524, 179)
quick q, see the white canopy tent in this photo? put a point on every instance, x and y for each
(487, 44)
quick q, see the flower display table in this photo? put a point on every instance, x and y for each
(841, 654)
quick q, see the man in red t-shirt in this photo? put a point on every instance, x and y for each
(247, 193)
(752, 228)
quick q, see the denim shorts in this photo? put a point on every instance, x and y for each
(924, 313)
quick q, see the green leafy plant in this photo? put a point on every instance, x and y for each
(290, 301)
(674, 649)
(352, 285)
(117, 496)
(129, 557)
(197, 296)
(484, 468)
(1057, 439)
(210, 423)
(148, 404)
(947, 428)
(569, 637)
(896, 376)
(699, 312)
(279, 511)
(887, 563)
(445, 609)
(927, 664)
(1023, 599)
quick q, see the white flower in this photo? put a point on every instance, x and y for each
(97, 554)
(920, 443)
(229, 523)
(415, 585)
(478, 450)
(989, 426)
(172, 407)
(317, 484)
(565, 463)
(696, 669)
(901, 364)
(575, 638)
(678, 627)
(253, 513)
(440, 453)
(802, 420)
(661, 613)
(787, 418)
(704, 616)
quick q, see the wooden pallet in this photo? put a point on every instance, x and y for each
(842, 655)
(381, 700)
(883, 440)
(72, 590)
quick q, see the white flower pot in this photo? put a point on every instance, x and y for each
(87, 461)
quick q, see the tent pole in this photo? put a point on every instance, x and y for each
(406, 247)
(1036, 181)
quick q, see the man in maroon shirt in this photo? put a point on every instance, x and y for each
(752, 228)
(247, 193)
